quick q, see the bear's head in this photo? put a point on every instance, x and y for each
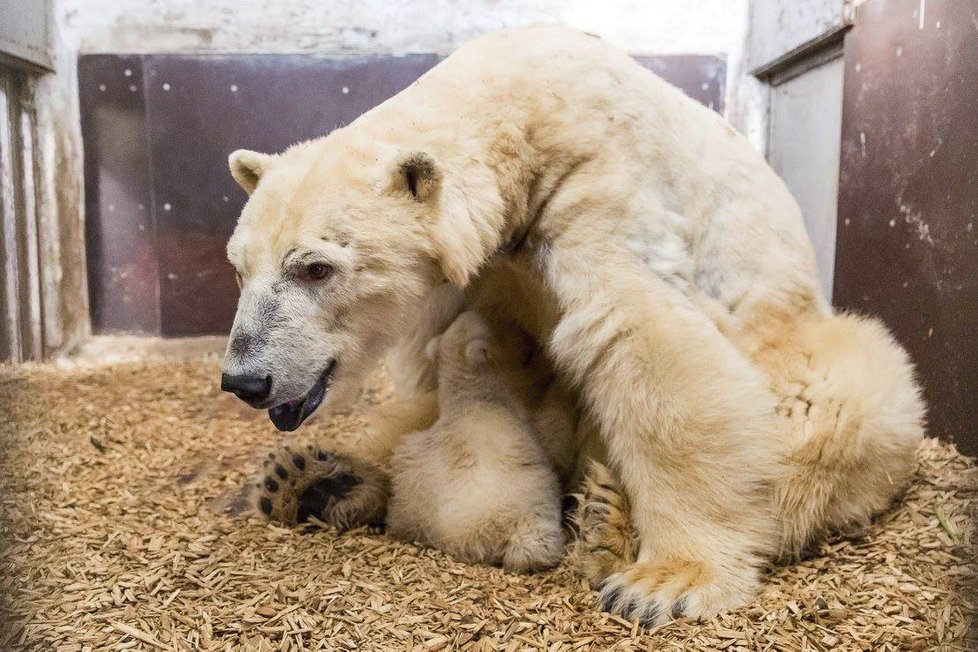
(334, 251)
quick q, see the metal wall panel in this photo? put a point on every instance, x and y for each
(160, 202)
(120, 231)
(202, 108)
(804, 129)
(702, 77)
(907, 246)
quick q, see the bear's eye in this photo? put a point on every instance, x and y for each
(319, 271)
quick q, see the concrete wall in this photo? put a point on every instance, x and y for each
(778, 27)
(657, 26)
(373, 26)
(24, 33)
(53, 287)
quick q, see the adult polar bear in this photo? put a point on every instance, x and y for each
(740, 416)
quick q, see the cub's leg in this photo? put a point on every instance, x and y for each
(477, 506)
(689, 426)
(341, 491)
(537, 542)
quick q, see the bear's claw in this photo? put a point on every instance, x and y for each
(655, 593)
(632, 604)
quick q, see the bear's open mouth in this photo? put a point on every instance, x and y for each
(289, 416)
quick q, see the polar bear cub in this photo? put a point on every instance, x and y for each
(477, 485)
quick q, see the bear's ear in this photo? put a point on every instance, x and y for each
(247, 168)
(416, 173)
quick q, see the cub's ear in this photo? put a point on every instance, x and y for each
(477, 351)
(416, 173)
(431, 349)
(247, 167)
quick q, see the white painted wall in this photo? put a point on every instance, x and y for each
(402, 26)
(779, 26)
(24, 31)
(647, 26)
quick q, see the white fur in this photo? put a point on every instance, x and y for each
(656, 254)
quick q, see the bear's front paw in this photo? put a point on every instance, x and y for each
(653, 593)
(338, 490)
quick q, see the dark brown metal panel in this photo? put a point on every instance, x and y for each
(201, 109)
(702, 77)
(197, 110)
(119, 232)
(907, 246)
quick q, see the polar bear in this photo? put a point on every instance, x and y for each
(670, 277)
(477, 484)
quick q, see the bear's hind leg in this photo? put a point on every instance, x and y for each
(854, 418)
(537, 539)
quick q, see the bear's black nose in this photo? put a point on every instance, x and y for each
(251, 389)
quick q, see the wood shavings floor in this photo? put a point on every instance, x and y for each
(112, 538)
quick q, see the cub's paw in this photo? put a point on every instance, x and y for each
(653, 593)
(535, 546)
(605, 540)
(338, 490)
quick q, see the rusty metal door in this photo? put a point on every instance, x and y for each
(907, 244)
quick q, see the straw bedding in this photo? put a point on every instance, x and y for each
(115, 535)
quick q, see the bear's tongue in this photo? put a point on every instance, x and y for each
(289, 416)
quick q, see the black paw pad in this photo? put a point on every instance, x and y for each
(271, 484)
(266, 506)
(299, 461)
(323, 493)
(281, 472)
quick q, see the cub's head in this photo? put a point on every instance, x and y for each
(334, 252)
(471, 346)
